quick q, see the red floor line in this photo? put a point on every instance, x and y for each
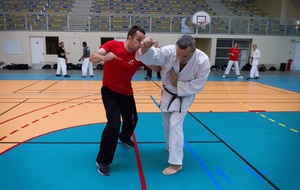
(139, 164)
(25, 126)
(14, 132)
(3, 138)
(257, 110)
(35, 121)
(42, 108)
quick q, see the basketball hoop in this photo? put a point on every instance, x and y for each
(201, 19)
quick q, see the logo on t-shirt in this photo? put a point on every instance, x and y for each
(131, 62)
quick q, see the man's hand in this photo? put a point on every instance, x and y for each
(173, 77)
(146, 44)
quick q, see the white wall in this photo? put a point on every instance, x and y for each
(274, 49)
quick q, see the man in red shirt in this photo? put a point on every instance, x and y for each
(117, 94)
(233, 53)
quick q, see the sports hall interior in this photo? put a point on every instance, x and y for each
(239, 134)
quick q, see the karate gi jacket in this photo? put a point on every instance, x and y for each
(256, 56)
(191, 79)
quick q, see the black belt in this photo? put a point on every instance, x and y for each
(174, 96)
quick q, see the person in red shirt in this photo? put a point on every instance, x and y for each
(117, 94)
(233, 53)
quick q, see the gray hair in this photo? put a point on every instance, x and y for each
(186, 41)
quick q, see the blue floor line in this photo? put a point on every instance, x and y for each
(203, 166)
(223, 174)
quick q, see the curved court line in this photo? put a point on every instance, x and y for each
(46, 107)
(46, 116)
(23, 142)
(236, 99)
(37, 120)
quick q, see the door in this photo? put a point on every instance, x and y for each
(75, 49)
(37, 52)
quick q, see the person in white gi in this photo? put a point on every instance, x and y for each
(254, 74)
(184, 72)
(86, 64)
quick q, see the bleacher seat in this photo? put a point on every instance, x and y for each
(154, 15)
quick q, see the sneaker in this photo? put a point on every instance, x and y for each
(129, 143)
(249, 78)
(103, 169)
(256, 78)
(66, 76)
(92, 76)
(58, 75)
(224, 76)
(240, 77)
(147, 78)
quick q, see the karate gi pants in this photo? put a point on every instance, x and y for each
(173, 129)
(254, 69)
(236, 65)
(61, 66)
(87, 65)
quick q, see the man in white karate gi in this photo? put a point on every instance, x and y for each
(184, 72)
(254, 74)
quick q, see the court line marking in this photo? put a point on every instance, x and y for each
(19, 103)
(203, 166)
(236, 153)
(35, 120)
(227, 145)
(250, 110)
(57, 103)
(139, 164)
(38, 81)
(279, 123)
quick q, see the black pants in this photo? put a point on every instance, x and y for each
(116, 106)
(149, 73)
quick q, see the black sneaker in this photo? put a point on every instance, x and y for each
(58, 75)
(103, 169)
(129, 143)
(66, 76)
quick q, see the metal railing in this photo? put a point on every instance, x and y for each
(12, 21)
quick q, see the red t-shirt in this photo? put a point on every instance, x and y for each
(117, 74)
(235, 55)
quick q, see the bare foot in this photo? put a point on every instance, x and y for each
(172, 169)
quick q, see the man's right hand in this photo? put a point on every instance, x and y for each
(146, 44)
